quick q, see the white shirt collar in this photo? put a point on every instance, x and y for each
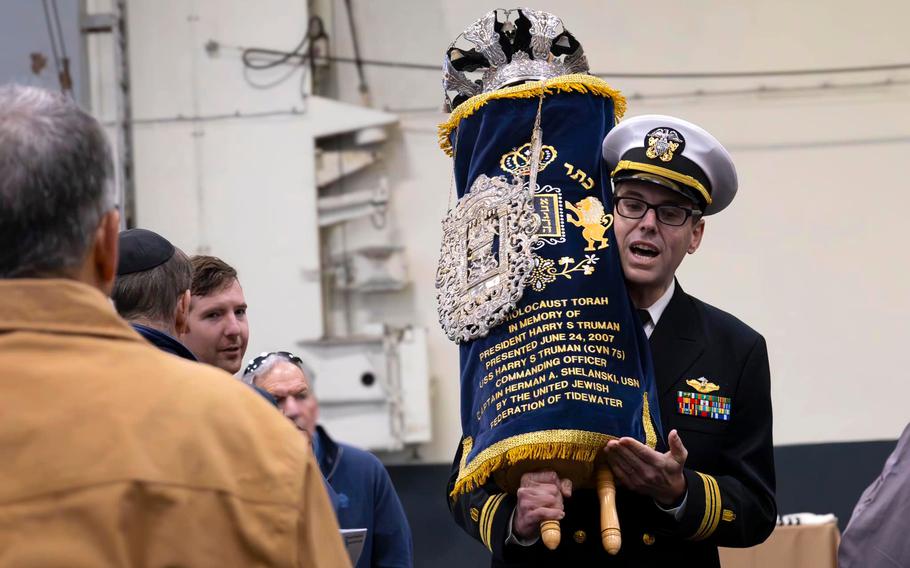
(657, 308)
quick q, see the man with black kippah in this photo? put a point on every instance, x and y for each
(152, 290)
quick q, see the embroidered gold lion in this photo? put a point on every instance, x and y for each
(590, 215)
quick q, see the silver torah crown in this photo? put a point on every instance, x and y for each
(496, 69)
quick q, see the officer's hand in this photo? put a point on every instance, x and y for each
(643, 470)
(539, 499)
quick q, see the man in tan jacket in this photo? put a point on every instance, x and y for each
(114, 453)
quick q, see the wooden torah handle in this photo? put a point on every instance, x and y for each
(609, 520)
(550, 534)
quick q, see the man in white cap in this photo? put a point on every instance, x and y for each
(714, 485)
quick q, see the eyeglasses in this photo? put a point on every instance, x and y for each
(259, 359)
(634, 208)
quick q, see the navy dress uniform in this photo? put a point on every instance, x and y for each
(713, 383)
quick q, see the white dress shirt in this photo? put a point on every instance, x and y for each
(657, 308)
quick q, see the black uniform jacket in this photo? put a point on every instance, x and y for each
(729, 471)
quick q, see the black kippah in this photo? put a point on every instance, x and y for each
(142, 250)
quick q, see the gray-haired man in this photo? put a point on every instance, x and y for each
(123, 455)
(363, 492)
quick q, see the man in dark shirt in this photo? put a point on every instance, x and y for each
(152, 290)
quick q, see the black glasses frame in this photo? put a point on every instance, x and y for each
(657, 210)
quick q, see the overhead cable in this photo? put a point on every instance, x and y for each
(288, 57)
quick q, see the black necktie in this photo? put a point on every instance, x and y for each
(644, 316)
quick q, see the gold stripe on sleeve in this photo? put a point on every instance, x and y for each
(494, 505)
(704, 520)
(718, 509)
(482, 523)
(713, 508)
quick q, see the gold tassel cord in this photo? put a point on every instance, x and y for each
(650, 434)
(577, 83)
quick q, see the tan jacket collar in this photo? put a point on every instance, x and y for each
(59, 306)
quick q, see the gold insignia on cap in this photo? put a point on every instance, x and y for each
(662, 142)
(728, 515)
(580, 536)
(702, 385)
(475, 514)
(518, 161)
(648, 539)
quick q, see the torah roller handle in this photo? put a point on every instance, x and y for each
(581, 475)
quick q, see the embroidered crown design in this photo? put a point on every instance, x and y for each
(518, 161)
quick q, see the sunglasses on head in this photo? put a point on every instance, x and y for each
(259, 359)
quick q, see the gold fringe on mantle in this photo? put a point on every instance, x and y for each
(575, 445)
(578, 83)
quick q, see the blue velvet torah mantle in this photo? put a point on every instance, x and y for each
(570, 368)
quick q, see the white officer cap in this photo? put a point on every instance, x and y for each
(675, 154)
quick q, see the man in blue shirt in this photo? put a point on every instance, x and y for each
(363, 493)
